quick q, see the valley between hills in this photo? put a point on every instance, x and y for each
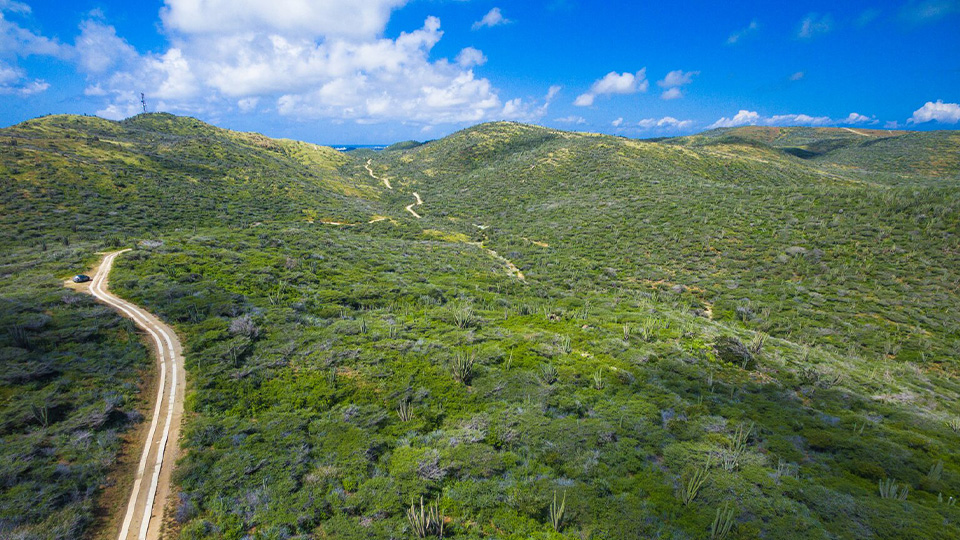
(510, 332)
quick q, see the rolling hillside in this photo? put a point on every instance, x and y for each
(752, 330)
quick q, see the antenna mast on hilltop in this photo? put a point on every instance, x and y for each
(143, 102)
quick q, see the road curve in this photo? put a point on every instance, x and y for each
(143, 516)
(409, 207)
(375, 177)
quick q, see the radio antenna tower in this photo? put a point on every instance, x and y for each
(143, 102)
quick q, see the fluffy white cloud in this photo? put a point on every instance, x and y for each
(522, 111)
(470, 57)
(677, 78)
(667, 122)
(740, 34)
(553, 91)
(615, 83)
(617, 123)
(798, 120)
(98, 48)
(945, 113)
(742, 118)
(752, 118)
(13, 81)
(305, 65)
(855, 118)
(673, 81)
(494, 17)
(671, 93)
(351, 19)
(248, 104)
(814, 24)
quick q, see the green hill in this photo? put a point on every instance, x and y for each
(900, 154)
(692, 325)
(89, 177)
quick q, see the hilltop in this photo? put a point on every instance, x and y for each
(753, 328)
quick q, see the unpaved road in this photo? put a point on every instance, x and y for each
(855, 132)
(143, 515)
(409, 207)
(375, 177)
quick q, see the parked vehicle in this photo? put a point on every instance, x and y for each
(81, 278)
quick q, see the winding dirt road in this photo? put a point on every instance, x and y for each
(375, 177)
(409, 207)
(151, 487)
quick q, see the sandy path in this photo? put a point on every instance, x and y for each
(511, 268)
(409, 207)
(143, 516)
(375, 177)
(851, 130)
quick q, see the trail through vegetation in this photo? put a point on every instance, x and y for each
(370, 170)
(418, 202)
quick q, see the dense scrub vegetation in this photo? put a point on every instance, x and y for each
(773, 240)
(69, 393)
(716, 337)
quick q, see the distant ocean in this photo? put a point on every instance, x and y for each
(349, 147)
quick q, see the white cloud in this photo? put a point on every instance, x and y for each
(17, 43)
(665, 123)
(470, 57)
(742, 118)
(892, 124)
(855, 118)
(671, 93)
(14, 7)
(673, 81)
(798, 120)
(13, 82)
(945, 113)
(752, 118)
(248, 104)
(572, 119)
(98, 48)
(814, 24)
(677, 78)
(349, 19)
(494, 17)
(517, 109)
(615, 83)
(797, 76)
(740, 34)
(552, 92)
(263, 57)
(617, 123)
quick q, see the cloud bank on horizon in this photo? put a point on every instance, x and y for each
(346, 64)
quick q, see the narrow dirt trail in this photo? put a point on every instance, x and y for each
(375, 177)
(144, 512)
(511, 268)
(409, 207)
(851, 130)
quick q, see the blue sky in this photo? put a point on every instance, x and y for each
(373, 71)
